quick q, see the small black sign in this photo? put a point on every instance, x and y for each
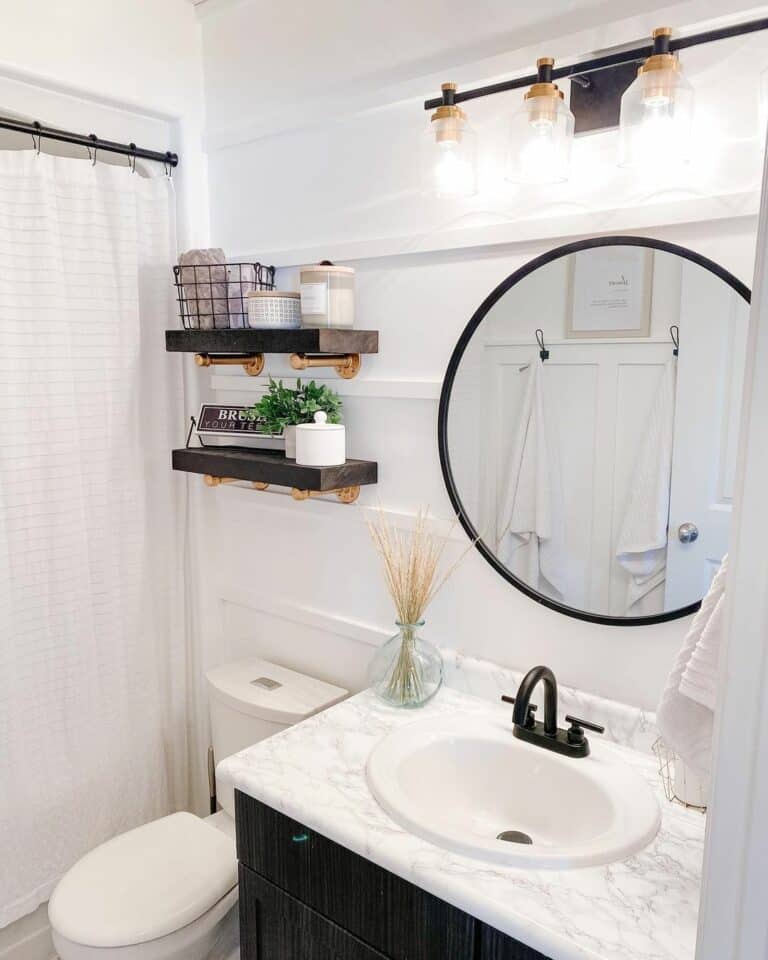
(220, 419)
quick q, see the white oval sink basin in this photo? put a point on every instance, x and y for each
(461, 782)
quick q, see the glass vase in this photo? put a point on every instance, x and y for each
(408, 670)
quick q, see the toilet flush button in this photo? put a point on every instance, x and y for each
(266, 683)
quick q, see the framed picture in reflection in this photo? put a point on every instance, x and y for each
(610, 295)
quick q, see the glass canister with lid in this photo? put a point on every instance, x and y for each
(327, 295)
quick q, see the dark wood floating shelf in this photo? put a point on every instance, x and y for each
(263, 468)
(272, 341)
(340, 349)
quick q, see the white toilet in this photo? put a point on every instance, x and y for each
(168, 890)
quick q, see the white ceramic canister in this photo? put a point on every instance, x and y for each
(273, 310)
(320, 444)
(327, 296)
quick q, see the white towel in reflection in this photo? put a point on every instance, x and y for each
(686, 711)
(530, 534)
(641, 548)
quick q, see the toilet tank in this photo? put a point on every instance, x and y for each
(252, 699)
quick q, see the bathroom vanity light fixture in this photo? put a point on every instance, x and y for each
(652, 108)
(542, 132)
(657, 110)
(450, 168)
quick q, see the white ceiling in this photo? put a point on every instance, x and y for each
(267, 59)
(294, 45)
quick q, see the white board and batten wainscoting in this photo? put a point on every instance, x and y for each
(422, 270)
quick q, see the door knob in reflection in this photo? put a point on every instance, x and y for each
(687, 532)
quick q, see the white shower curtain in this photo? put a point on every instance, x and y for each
(92, 651)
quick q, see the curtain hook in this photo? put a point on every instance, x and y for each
(37, 143)
(167, 165)
(674, 332)
(92, 155)
(132, 157)
(543, 352)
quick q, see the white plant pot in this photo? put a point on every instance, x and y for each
(289, 435)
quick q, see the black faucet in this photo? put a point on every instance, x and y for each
(570, 742)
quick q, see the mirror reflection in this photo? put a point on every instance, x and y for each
(594, 459)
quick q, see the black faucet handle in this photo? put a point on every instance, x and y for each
(532, 708)
(577, 728)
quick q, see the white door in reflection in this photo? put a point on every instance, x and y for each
(710, 380)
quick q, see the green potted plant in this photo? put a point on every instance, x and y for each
(282, 408)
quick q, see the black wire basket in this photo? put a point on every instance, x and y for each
(214, 296)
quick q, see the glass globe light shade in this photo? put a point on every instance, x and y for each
(541, 135)
(656, 118)
(450, 157)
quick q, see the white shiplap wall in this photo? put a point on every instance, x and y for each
(344, 186)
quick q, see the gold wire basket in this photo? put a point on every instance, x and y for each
(677, 779)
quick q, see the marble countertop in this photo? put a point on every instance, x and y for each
(642, 908)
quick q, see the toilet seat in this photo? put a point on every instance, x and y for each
(215, 934)
(146, 885)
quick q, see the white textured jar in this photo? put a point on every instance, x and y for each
(320, 444)
(273, 310)
(327, 296)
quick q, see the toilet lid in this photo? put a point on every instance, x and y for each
(144, 884)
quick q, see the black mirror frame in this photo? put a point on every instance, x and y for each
(450, 375)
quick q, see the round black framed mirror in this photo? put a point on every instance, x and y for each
(588, 427)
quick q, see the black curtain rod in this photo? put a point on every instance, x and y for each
(608, 60)
(38, 132)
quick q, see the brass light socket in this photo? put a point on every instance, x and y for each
(658, 88)
(545, 92)
(660, 61)
(545, 95)
(450, 116)
(548, 89)
(451, 126)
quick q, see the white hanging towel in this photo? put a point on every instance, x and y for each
(530, 534)
(686, 711)
(641, 548)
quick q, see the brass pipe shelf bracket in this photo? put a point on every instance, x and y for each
(210, 481)
(347, 365)
(344, 494)
(252, 363)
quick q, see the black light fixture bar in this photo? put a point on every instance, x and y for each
(37, 131)
(608, 60)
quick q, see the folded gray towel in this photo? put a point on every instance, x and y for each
(203, 277)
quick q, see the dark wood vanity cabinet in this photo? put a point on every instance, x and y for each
(304, 897)
(274, 924)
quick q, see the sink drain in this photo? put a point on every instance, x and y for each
(514, 836)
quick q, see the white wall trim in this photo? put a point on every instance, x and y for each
(639, 217)
(307, 616)
(280, 498)
(394, 389)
